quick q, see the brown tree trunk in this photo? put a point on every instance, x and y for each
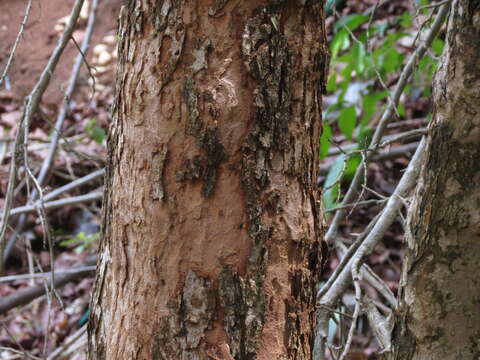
(212, 226)
(439, 309)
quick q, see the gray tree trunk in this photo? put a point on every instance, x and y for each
(439, 309)
(212, 226)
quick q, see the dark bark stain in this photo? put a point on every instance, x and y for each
(207, 139)
(268, 56)
(180, 335)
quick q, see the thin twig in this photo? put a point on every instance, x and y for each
(25, 353)
(406, 135)
(356, 313)
(17, 41)
(371, 278)
(94, 196)
(70, 340)
(47, 274)
(19, 352)
(348, 149)
(74, 184)
(47, 163)
(24, 296)
(360, 203)
(55, 193)
(346, 258)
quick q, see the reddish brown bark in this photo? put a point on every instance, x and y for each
(212, 237)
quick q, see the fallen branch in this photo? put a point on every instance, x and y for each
(24, 296)
(44, 275)
(69, 342)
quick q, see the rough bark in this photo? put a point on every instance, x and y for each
(212, 225)
(439, 309)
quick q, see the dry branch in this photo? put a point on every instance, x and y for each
(24, 296)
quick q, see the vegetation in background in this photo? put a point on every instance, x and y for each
(366, 57)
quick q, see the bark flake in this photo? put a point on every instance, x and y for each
(207, 139)
(158, 160)
(180, 335)
(168, 23)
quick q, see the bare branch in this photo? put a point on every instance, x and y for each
(55, 193)
(74, 184)
(17, 41)
(94, 196)
(24, 296)
(68, 342)
(44, 275)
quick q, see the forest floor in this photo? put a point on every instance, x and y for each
(43, 325)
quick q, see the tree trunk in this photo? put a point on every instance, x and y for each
(439, 309)
(212, 225)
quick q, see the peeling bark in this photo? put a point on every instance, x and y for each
(438, 315)
(212, 225)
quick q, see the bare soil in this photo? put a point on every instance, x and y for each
(40, 38)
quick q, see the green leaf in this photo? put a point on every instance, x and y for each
(352, 164)
(351, 21)
(359, 56)
(405, 20)
(346, 121)
(82, 240)
(332, 83)
(364, 135)
(347, 73)
(437, 46)
(393, 60)
(95, 132)
(67, 242)
(334, 174)
(369, 105)
(340, 41)
(325, 140)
